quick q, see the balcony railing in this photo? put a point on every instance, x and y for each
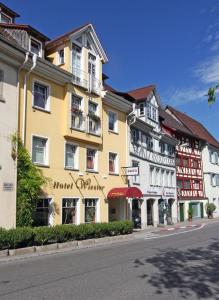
(90, 123)
(86, 80)
(78, 121)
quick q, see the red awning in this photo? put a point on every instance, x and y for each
(125, 192)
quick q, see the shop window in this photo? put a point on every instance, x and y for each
(69, 211)
(90, 210)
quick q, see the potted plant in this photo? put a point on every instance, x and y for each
(190, 213)
(210, 208)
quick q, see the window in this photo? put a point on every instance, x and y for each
(178, 160)
(39, 150)
(35, 47)
(69, 211)
(40, 96)
(5, 19)
(94, 120)
(213, 179)
(195, 163)
(217, 179)
(112, 125)
(185, 162)
(71, 161)
(134, 136)
(162, 181)
(210, 156)
(91, 160)
(187, 184)
(162, 148)
(157, 179)
(172, 179)
(136, 179)
(150, 145)
(152, 175)
(180, 183)
(170, 150)
(113, 163)
(90, 210)
(77, 118)
(61, 56)
(141, 109)
(196, 185)
(41, 214)
(76, 64)
(152, 112)
(91, 64)
(215, 158)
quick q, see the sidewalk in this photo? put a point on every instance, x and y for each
(25, 253)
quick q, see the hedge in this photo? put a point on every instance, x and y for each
(26, 236)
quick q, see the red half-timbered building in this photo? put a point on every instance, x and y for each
(189, 173)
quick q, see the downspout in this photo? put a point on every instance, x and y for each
(18, 119)
(34, 59)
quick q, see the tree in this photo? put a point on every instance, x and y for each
(212, 94)
(29, 185)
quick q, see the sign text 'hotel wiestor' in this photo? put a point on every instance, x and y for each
(80, 184)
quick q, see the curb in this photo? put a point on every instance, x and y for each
(7, 254)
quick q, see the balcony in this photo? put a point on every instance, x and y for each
(87, 81)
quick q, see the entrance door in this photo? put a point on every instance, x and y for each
(181, 212)
(161, 207)
(150, 212)
(136, 212)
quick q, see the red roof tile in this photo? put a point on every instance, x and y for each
(194, 126)
(141, 93)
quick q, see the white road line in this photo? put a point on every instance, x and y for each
(175, 233)
(182, 227)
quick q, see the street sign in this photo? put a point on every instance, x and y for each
(132, 171)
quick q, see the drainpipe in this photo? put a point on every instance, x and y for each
(34, 59)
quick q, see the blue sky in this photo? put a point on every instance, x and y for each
(172, 43)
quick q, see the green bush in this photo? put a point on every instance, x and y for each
(27, 236)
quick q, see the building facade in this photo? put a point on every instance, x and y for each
(153, 152)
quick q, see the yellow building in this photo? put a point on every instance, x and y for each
(77, 137)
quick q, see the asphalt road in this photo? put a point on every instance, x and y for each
(184, 266)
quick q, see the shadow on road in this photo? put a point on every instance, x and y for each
(191, 271)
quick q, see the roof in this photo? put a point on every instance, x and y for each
(6, 9)
(169, 122)
(27, 28)
(195, 127)
(141, 93)
(56, 41)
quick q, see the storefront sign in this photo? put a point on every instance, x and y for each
(80, 184)
(8, 186)
(132, 171)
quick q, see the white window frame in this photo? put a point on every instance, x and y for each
(97, 208)
(39, 42)
(5, 15)
(77, 209)
(59, 62)
(48, 86)
(46, 163)
(116, 121)
(116, 163)
(136, 178)
(76, 162)
(139, 107)
(95, 170)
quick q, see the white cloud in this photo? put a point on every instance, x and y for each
(185, 95)
(208, 71)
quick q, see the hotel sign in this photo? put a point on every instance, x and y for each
(132, 171)
(80, 184)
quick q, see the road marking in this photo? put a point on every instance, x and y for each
(175, 233)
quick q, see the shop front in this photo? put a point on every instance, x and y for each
(125, 204)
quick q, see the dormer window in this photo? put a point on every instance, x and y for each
(5, 19)
(141, 109)
(152, 112)
(35, 47)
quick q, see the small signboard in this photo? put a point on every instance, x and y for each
(8, 186)
(132, 171)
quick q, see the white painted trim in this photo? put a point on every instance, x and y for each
(77, 208)
(41, 45)
(48, 102)
(76, 155)
(7, 16)
(47, 149)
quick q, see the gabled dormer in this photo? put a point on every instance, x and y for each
(7, 15)
(80, 52)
